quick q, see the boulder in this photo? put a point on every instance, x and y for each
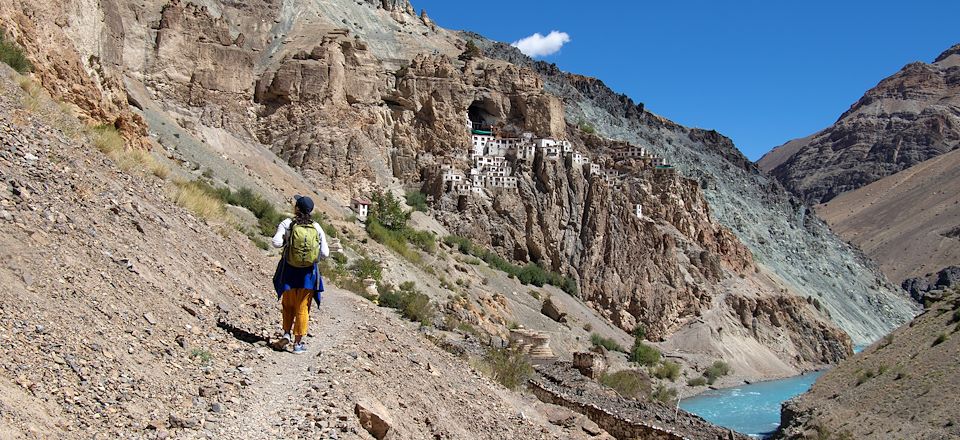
(590, 364)
(374, 418)
(554, 310)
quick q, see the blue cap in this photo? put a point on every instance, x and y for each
(304, 204)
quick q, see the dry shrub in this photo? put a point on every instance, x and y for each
(507, 366)
(109, 141)
(192, 196)
(633, 384)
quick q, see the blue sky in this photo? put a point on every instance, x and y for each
(760, 72)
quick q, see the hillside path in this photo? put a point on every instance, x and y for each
(281, 380)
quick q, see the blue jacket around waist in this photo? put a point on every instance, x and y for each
(288, 277)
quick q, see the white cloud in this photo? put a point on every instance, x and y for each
(537, 45)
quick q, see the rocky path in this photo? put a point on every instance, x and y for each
(282, 381)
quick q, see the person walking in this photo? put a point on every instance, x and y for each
(297, 279)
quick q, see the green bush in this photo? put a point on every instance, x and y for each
(530, 273)
(607, 343)
(628, 383)
(417, 200)
(12, 55)
(511, 368)
(697, 382)
(716, 370)
(586, 127)
(667, 370)
(201, 354)
(386, 210)
(387, 225)
(393, 240)
(864, 376)
(409, 301)
(664, 394)
(640, 332)
(644, 354)
(367, 267)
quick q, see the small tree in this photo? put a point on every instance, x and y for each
(386, 210)
(471, 51)
(367, 267)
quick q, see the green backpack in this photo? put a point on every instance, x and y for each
(303, 246)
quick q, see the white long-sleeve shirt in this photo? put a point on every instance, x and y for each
(284, 228)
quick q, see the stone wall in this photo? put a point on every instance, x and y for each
(560, 384)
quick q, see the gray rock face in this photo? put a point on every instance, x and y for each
(906, 119)
(779, 230)
(933, 286)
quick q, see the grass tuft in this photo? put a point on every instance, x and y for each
(608, 343)
(509, 367)
(193, 196)
(667, 370)
(664, 394)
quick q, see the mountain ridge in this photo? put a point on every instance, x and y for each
(905, 119)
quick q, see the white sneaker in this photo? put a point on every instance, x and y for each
(300, 348)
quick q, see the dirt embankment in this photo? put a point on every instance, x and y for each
(904, 386)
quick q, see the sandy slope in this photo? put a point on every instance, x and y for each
(904, 221)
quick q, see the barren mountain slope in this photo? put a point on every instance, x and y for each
(781, 234)
(910, 117)
(126, 316)
(902, 387)
(908, 222)
(318, 84)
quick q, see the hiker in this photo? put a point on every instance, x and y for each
(297, 279)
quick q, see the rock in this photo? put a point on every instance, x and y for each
(590, 364)
(150, 319)
(554, 310)
(175, 421)
(373, 417)
(948, 277)
(216, 407)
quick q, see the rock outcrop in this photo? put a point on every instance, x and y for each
(906, 119)
(779, 231)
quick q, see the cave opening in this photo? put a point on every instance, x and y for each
(482, 115)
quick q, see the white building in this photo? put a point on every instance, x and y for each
(631, 152)
(638, 210)
(361, 207)
(579, 159)
(526, 151)
(594, 169)
(479, 143)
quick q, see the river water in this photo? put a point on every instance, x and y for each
(750, 409)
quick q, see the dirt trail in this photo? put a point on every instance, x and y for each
(282, 379)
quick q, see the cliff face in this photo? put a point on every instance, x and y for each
(355, 96)
(906, 119)
(778, 229)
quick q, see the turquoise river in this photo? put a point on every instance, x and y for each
(751, 409)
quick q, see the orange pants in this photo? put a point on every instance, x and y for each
(296, 310)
